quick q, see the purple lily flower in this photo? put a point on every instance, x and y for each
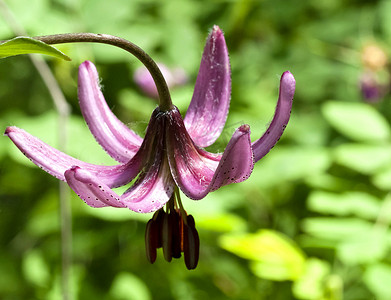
(171, 155)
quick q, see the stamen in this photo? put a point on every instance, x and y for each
(151, 233)
(191, 242)
(175, 232)
(167, 234)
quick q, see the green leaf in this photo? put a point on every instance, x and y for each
(311, 284)
(334, 229)
(382, 180)
(358, 121)
(273, 255)
(366, 247)
(223, 222)
(366, 159)
(26, 45)
(288, 163)
(349, 203)
(35, 269)
(377, 278)
(129, 286)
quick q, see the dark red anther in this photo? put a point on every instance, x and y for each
(167, 230)
(191, 243)
(151, 237)
(158, 217)
(176, 234)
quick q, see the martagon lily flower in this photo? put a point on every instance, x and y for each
(170, 156)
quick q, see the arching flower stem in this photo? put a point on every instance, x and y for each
(165, 103)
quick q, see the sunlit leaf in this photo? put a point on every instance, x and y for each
(35, 269)
(358, 121)
(327, 182)
(299, 125)
(290, 163)
(129, 286)
(223, 222)
(382, 180)
(335, 229)
(366, 159)
(273, 255)
(26, 45)
(349, 203)
(367, 247)
(377, 277)
(311, 284)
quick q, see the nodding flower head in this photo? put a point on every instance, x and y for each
(170, 157)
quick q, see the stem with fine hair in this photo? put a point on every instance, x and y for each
(161, 85)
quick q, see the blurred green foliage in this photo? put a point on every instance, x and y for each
(312, 222)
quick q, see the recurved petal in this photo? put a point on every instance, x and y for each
(56, 162)
(198, 172)
(116, 138)
(154, 185)
(281, 117)
(207, 113)
(151, 191)
(90, 189)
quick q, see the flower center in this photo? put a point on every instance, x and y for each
(175, 232)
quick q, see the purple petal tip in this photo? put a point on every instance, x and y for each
(216, 32)
(216, 29)
(244, 128)
(87, 65)
(288, 84)
(8, 130)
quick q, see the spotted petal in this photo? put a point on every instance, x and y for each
(281, 117)
(149, 193)
(56, 162)
(207, 113)
(198, 172)
(116, 138)
(152, 189)
(87, 186)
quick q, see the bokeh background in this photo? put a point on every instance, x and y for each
(312, 222)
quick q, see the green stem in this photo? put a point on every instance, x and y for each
(63, 110)
(179, 201)
(161, 85)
